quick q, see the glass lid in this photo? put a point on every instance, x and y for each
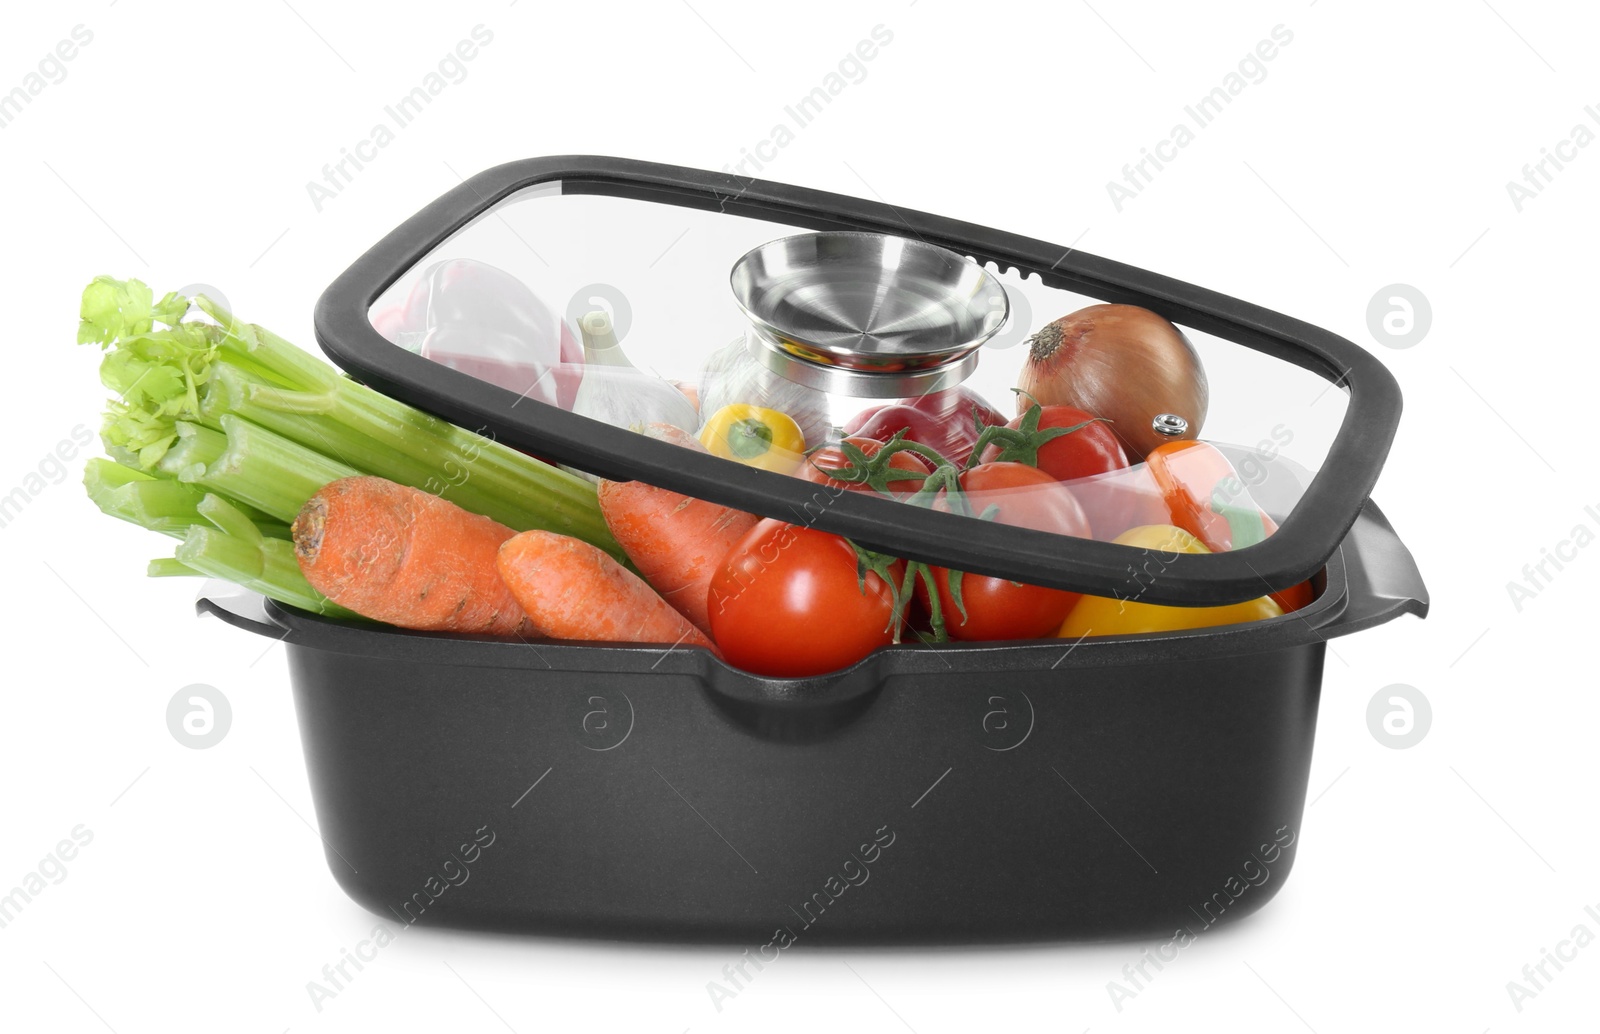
(932, 390)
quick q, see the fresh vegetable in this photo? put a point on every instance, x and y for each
(491, 356)
(616, 392)
(625, 397)
(157, 503)
(218, 539)
(675, 541)
(949, 422)
(481, 320)
(733, 374)
(236, 550)
(1063, 441)
(755, 436)
(1206, 497)
(600, 344)
(976, 606)
(1120, 362)
(1106, 615)
(571, 590)
(220, 432)
(466, 292)
(399, 555)
(840, 468)
(223, 536)
(168, 370)
(250, 464)
(790, 602)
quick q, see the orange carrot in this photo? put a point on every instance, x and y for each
(400, 555)
(675, 541)
(571, 590)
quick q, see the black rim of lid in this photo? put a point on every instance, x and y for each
(1296, 551)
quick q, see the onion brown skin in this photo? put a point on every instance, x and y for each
(1121, 362)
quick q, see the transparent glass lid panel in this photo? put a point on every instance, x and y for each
(623, 311)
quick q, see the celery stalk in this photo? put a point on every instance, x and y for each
(252, 465)
(260, 468)
(323, 410)
(195, 372)
(234, 549)
(170, 567)
(219, 539)
(194, 449)
(266, 566)
(280, 358)
(158, 504)
(372, 432)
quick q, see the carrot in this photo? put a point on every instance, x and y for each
(571, 590)
(675, 541)
(403, 556)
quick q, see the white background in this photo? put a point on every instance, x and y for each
(1376, 151)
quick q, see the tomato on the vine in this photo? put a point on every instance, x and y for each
(791, 602)
(1089, 448)
(832, 457)
(998, 608)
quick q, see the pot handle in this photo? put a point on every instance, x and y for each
(1382, 578)
(238, 607)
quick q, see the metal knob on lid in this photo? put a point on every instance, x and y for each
(1170, 425)
(867, 314)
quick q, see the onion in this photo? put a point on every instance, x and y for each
(1119, 362)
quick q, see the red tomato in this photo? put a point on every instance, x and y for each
(998, 608)
(832, 458)
(1089, 450)
(787, 602)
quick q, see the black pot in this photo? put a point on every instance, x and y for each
(957, 793)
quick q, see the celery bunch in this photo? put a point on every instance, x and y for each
(221, 430)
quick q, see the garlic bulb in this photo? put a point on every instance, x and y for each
(614, 391)
(600, 347)
(625, 397)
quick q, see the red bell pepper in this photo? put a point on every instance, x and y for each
(948, 422)
(481, 320)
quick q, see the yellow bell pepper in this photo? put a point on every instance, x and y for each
(1106, 615)
(756, 437)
